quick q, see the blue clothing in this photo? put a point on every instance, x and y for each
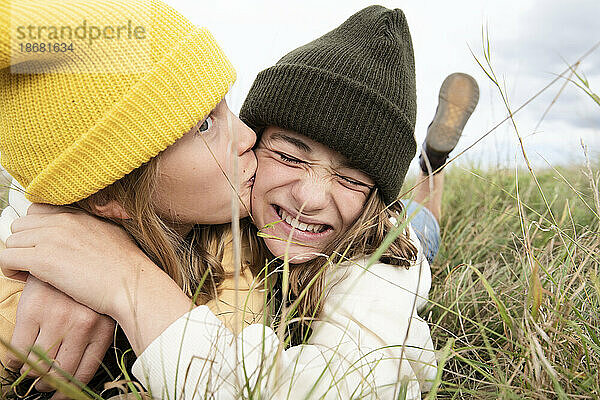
(426, 227)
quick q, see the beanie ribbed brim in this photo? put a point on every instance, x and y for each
(177, 93)
(330, 108)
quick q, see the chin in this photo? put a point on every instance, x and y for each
(302, 258)
(217, 219)
(296, 255)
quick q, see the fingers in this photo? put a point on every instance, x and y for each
(29, 222)
(73, 336)
(23, 338)
(56, 226)
(22, 240)
(80, 362)
(47, 349)
(27, 333)
(81, 354)
(58, 216)
(17, 259)
(59, 396)
(91, 361)
(67, 359)
(96, 349)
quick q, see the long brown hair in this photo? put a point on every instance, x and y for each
(188, 260)
(307, 280)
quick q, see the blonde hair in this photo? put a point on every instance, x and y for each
(189, 260)
(307, 280)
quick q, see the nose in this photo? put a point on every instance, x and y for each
(246, 136)
(311, 193)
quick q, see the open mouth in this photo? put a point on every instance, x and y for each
(299, 225)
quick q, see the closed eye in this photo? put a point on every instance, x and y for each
(289, 159)
(354, 182)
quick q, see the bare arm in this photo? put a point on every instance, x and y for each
(99, 265)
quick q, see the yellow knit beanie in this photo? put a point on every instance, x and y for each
(109, 85)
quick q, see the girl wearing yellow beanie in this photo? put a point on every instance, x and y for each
(126, 124)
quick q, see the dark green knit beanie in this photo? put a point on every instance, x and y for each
(353, 90)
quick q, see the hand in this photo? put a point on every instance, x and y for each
(72, 335)
(99, 265)
(92, 260)
(16, 275)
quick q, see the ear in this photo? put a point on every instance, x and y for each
(112, 209)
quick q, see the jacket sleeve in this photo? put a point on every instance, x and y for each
(367, 343)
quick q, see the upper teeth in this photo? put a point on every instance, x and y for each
(299, 225)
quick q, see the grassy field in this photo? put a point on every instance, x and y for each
(514, 304)
(516, 292)
(516, 287)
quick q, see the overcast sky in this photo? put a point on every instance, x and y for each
(531, 42)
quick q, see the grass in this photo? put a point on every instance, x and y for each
(509, 330)
(517, 293)
(516, 290)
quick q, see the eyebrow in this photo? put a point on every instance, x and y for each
(293, 141)
(345, 163)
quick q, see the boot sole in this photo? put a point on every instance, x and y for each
(458, 98)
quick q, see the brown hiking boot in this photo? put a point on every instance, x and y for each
(458, 98)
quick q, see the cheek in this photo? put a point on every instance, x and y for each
(177, 195)
(190, 181)
(350, 206)
(272, 185)
(263, 182)
(270, 175)
(203, 166)
(186, 171)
